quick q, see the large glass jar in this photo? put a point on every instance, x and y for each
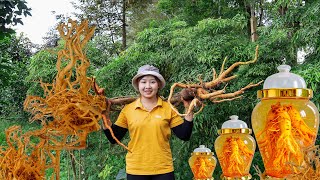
(202, 163)
(235, 148)
(284, 122)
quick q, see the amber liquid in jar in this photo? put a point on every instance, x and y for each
(283, 127)
(202, 165)
(235, 153)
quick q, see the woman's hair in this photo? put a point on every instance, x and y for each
(158, 81)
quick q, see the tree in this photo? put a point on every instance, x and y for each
(14, 55)
(105, 15)
(116, 21)
(10, 12)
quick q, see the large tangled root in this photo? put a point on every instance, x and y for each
(68, 112)
(69, 101)
(23, 160)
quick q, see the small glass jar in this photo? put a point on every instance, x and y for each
(235, 148)
(285, 122)
(202, 163)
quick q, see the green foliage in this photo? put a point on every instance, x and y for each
(10, 12)
(100, 160)
(41, 68)
(311, 74)
(101, 51)
(193, 11)
(307, 36)
(169, 45)
(140, 14)
(106, 171)
(14, 54)
(9, 121)
(13, 50)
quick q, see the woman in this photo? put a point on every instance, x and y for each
(149, 121)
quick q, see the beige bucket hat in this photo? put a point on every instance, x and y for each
(148, 70)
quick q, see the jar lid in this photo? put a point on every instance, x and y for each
(202, 150)
(234, 125)
(284, 85)
(284, 79)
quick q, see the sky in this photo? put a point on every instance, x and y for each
(42, 20)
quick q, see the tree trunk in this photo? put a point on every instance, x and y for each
(124, 30)
(253, 25)
(73, 164)
(261, 14)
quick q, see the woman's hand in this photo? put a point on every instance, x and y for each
(186, 105)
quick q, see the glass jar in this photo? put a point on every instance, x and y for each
(235, 148)
(284, 122)
(202, 163)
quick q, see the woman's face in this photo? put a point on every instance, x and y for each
(148, 86)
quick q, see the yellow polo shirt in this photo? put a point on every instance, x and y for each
(149, 137)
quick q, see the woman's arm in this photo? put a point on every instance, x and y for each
(119, 133)
(184, 130)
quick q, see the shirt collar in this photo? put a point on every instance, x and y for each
(139, 104)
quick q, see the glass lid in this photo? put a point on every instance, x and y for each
(284, 79)
(234, 125)
(285, 84)
(202, 148)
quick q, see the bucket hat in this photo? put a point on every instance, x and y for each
(148, 70)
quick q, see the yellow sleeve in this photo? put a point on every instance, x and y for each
(122, 120)
(175, 119)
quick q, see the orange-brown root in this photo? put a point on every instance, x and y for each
(202, 168)
(278, 141)
(204, 89)
(235, 157)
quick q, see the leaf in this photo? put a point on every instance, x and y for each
(18, 12)
(18, 20)
(26, 13)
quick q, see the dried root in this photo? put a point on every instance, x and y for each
(310, 169)
(68, 112)
(23, 160)
(202, 91)
(69, 109)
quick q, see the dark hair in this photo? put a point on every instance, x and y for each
(157, 79)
